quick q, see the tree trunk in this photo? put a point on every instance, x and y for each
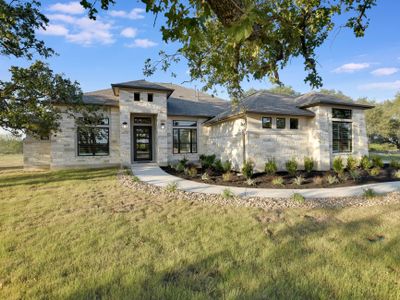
(227, 11)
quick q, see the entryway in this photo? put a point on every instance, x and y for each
(142, 143)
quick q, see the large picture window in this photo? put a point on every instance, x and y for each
(339, 113)
(184, 137)
(94, 140)
(341, 137)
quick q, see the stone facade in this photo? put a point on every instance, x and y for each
(36, 153)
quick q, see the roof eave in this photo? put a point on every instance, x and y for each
(120, 85)
(361, 106)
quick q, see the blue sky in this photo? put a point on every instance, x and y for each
(113, 49)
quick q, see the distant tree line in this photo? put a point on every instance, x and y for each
(10, 145)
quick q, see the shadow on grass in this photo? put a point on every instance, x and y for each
(38, 178)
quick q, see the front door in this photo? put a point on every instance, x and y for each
(142, 143)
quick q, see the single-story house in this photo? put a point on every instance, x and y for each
(164, 122)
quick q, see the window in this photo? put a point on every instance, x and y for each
(339, 113)
(150, 97)
(136, 96)
(280, 123)
(266, 122)
(184, 137)
(93, 141)
(294, 123)
(141, 120)
(341, 137)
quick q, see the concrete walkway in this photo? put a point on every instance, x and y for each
(153, 174)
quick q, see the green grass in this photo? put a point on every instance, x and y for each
(381, 147)
(11, 161)
(80, 235)
(387, 156)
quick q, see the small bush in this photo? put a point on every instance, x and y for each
(192, 171)
(207, 161)
(396, 174)
(180, 167)
(226, 166)
(250, 182)
(332, 179)
(365, 163)
(205, 176)
(184, 161)
(171, 187)
(299, 198)
(352, 163)
(218, 166)
(308, 164)
(343, 177)
(375, 171)
(355, 175)
(270, 167)
(299, 180)
(291, 167)
(338, 165)
(395, 164)
(227, 176)
(369, 193)
(227, 194)
(135, 179)
(377, 161)
(318, 180)
(248, 169)
(278, 181)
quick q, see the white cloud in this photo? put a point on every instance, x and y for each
(129, 32)
(388, 85)
(142, 43)
(57, 30)
(351, 67)
(384, 71)
(134, 14)
(61, 17)
(68, 8)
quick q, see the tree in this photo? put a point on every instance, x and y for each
(279, 89)
(228, 41)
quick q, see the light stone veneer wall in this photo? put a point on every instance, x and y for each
(226, 140)
(201, 140)
(157, 108)
(280, 144)
(36, 153)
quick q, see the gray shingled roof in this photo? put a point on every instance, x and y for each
(101, 97)
(143, 85)
(315, 98)
(265, 103)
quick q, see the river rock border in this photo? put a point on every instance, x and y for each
(126, 179)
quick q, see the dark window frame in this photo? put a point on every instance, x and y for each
(284, 123)
(270, 123)
(148, 121)
(342, 113)
(94, 146)
(297, 123)
(339, 141)
(136, 96)
(178, 127)
(175, 123)
(150, 96)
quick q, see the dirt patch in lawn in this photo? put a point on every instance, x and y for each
(263, 180)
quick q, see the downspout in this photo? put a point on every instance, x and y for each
(244, 131)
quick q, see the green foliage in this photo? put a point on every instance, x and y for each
(396, 174)
(248, 169)
(10, 145)
(395, 164)
(270, 167)
(377, 161)
(338, 165)
(207, 161)
(352, 163)
(218, 166)
(278, 181)
(227, 176)
(298, 198)
(192, 171)
(343, 177)
(278, 89)
(205, 176)
(355, 175)
(226, 166)
(180, 167)
(365, 163)
(383, 147)
(171, 187)
(369, 193)
(332, 179)
(250, 182)
(299, 180)
(135, 179)
(291, 166)
(308, 164)
(227, 194)
(375, 171)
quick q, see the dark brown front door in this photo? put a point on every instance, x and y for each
(142, 143)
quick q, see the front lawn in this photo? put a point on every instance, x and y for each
(81, 235)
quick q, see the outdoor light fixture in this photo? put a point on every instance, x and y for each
(162, 125)
(124, 125)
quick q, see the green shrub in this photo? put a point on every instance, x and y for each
(332, 179)
(180, 167)
(227, 176)
(184, 161)
(369, 193)
(395, 164)
(250, 182)
(227, 194)
(205, 176)
(207, 161)
(365, 163)
(396, 174)
(318, 180)
(291, 166)
(299, 198)
(308, 164)
(218, 166)
(375, 171)
(352, 163)
(355, 175)
(248, 169)
(192, 171)
(135, 179)
(343, 177)
(298, 180)
(171, 187)
(226, 166)
(338, 165)
(278, 181)
(377, 161)
(270, 167)
(10, 145)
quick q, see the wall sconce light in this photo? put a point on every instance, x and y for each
(124, 125)
(162, 125)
